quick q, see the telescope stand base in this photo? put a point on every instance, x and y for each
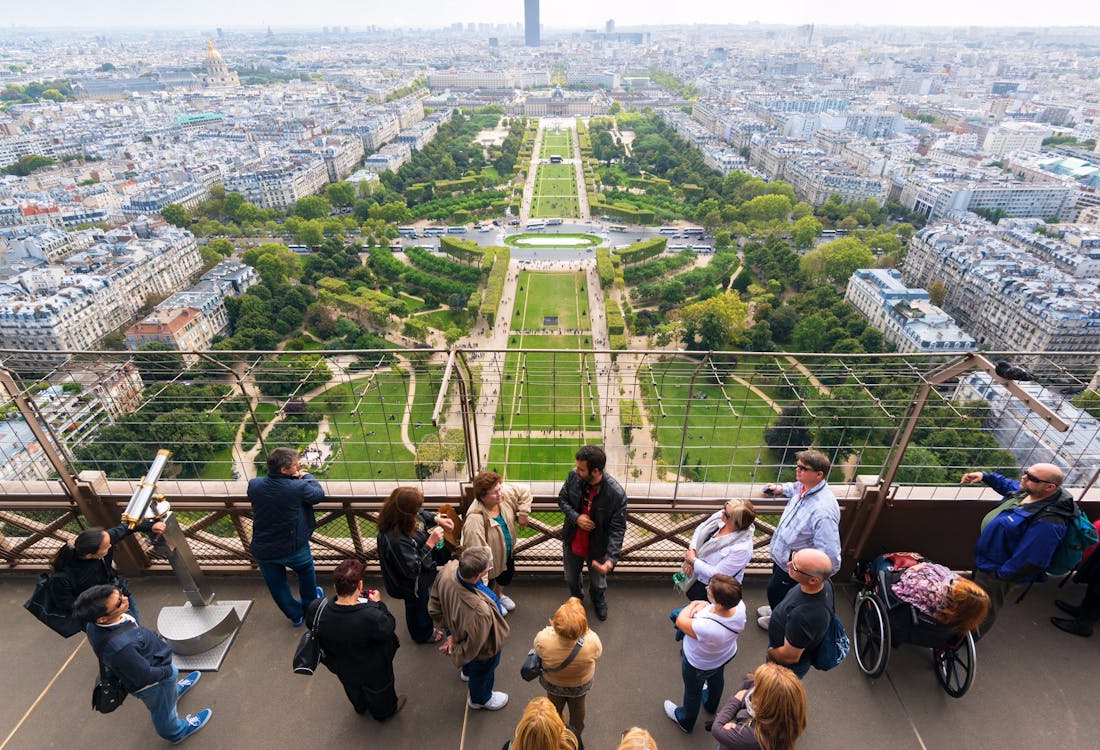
(200, 637)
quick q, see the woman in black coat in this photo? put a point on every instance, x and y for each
(357, 639)
(407, 537)
(90, 561)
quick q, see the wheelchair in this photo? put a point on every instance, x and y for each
(883, 621)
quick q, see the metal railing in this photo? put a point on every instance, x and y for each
(682, 432)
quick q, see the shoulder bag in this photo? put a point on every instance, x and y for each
(308, 653)
(108, 693)
(43, 605)
(532, 666)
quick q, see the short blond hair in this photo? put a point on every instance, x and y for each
(637, 738)
(570, 621)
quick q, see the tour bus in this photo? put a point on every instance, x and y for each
(532, 225)
(689, 231)
(407, 232)
(555, 158)
(434, 231)
(616, 228)
(456, 230)
(703, 249)
(553, 222)
(667, 230)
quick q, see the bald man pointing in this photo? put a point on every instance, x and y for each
(1019, 536)
(799, 622)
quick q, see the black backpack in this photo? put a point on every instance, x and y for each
(43, 605)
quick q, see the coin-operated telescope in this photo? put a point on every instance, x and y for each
(201, 631)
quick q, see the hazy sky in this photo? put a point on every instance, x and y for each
(555, 13)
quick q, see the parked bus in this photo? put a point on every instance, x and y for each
(690, 231)
(456, 230)
(553, 222)
(407, 232)
(616, 228)
(532, 225)
(703, 249)
(555, 158)
(667, 230)
(434, 231)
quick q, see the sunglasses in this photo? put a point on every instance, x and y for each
(792, 566)
(800, 467)
(1034, 478)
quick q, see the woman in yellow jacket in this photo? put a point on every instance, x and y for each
(568, 685)
(491, 521)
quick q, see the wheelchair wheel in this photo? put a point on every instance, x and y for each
(872, 634)
(955, 667)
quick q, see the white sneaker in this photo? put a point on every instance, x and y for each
(764, 622)
(506, 602)
(764, 611)
(463, 676)
(497, 701)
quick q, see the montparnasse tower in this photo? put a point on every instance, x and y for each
(217, 72)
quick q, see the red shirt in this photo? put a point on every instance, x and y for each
(578, 545)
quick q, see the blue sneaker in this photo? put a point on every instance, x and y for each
(196, 722)
(187, 683)
(320, 593)
(297, 623)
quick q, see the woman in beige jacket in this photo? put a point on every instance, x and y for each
(569, 685)
(491, 521)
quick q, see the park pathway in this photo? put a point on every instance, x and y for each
(583, 211)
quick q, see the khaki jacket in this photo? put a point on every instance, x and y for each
(478, 628)
(553, 649)
(479, 528)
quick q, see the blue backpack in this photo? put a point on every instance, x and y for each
(1080, 534)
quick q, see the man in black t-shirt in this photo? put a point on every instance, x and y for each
(800, 621)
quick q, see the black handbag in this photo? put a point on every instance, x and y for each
(307, 656)
(532, 666)
(108, 693)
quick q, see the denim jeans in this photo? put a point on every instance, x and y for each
(481, 674)
(160, 699)
(694, 681)
(597, 582)
(779, 584)
(417, 619)
(274, 573)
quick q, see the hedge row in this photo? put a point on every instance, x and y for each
(636, 252)
(466, 251)
(383, 263)
(623, 213)
(615, 323)
(441, 266)
(490, 303)
(605, 270)
(658, 267)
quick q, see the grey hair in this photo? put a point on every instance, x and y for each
(473, 561)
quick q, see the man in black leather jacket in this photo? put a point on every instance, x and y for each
(594, 505)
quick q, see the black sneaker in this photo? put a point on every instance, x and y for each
(1070, 609)
(601, 610)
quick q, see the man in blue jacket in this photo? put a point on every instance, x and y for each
(282, 521)
(139, 659)
(1019, 537)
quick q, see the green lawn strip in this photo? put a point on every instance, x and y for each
(219, 466)
(721, 444)
(558, 143)
(532, 459)
(441, 319)
(365, 423)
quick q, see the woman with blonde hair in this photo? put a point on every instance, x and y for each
(767, 713)
(636, 738)
(541, 728)
(721, 544)
(568, 685)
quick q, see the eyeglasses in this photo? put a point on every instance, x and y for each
(725, 514)
(800, 467)
(792, 566)
(1034, 478)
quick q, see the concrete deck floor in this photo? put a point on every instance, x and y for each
(1032, 687)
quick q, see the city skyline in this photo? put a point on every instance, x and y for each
(560, 14)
